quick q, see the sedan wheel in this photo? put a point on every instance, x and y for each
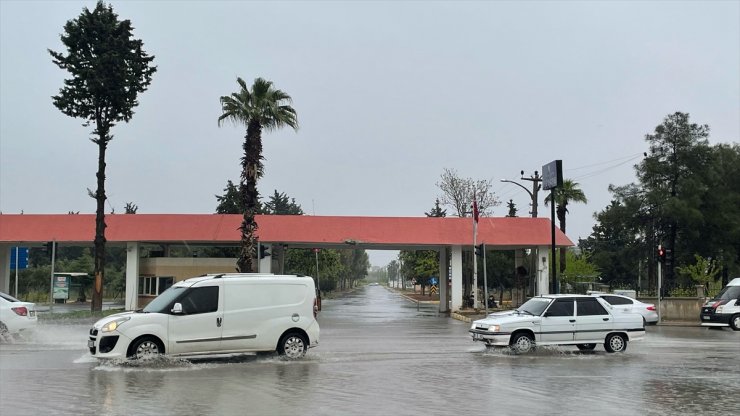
(522, 343)
(615, 343)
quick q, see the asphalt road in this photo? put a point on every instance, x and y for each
(379, 355)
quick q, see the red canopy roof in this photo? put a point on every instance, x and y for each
(297, 230)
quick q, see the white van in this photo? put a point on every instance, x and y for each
(724, 309)
(216, 314)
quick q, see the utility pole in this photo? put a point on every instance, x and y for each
(535, 179)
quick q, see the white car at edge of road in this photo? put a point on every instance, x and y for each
(628, 304)
(16, 316)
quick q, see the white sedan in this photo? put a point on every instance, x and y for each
(580, 320)
(627, 304)
(16, 316)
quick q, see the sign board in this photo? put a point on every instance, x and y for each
(61, 287)
(433, 290)
(433, 281)
(552, 175)
(22, 254)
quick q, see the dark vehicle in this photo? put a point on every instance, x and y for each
(724, 309)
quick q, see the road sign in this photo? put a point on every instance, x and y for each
(433, 290)
(61, 287)
(433, 281)
(22, 254)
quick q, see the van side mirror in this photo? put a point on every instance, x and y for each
(177, 308)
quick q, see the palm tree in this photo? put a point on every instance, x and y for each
(262, 107)
(565, 194)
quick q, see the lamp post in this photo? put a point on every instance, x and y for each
(535, 179)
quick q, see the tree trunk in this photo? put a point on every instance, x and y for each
(99, 242)
(251, 168)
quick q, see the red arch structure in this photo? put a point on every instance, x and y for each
(371, 233)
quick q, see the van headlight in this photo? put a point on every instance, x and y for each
(113, 325)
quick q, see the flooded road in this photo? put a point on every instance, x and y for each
(379, 355)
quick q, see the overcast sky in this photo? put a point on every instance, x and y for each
(388, 94)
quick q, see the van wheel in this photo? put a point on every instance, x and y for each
(735, 322)
(522, 343)
(292, 345)
(586, 347)
(615, 343)
(145, 347)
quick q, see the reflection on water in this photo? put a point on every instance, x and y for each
(379, 355)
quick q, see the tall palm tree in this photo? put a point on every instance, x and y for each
(261, 108)
(565, 194)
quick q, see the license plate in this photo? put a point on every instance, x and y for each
(706, 318)
(90, 343)
(477, 336)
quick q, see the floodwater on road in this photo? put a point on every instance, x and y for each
(380, 355)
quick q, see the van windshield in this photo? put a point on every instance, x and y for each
(163, 302)
(728, 293)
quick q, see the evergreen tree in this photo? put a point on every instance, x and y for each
(108, 69)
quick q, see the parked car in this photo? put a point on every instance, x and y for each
(216, 314)
(724, 309)
(579, 320)
(16, 317)
(627, 304)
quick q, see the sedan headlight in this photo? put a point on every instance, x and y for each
(113, 325)
(494, 328)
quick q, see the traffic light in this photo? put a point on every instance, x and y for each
(49, 249)
(264, 251)
(668, 256)
(480, 249)
(661, 254)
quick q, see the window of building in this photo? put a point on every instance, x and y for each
(154, 285)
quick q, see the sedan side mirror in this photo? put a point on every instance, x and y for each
(177, 309)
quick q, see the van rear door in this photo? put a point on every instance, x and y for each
(198, 328)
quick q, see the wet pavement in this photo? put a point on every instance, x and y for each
(379, 355)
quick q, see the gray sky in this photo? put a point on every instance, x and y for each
(388, 94)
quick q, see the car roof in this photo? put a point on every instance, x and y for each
(562, 295)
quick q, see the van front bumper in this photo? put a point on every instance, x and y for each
(109, 345)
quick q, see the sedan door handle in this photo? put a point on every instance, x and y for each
(605, 319)
(571, 320)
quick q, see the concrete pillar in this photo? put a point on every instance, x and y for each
(132, 276)
(5, 268)
(443, 279)
(457, 278)
(543, 270)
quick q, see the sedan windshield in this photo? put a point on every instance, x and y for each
(534, 306)
(164, 301)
